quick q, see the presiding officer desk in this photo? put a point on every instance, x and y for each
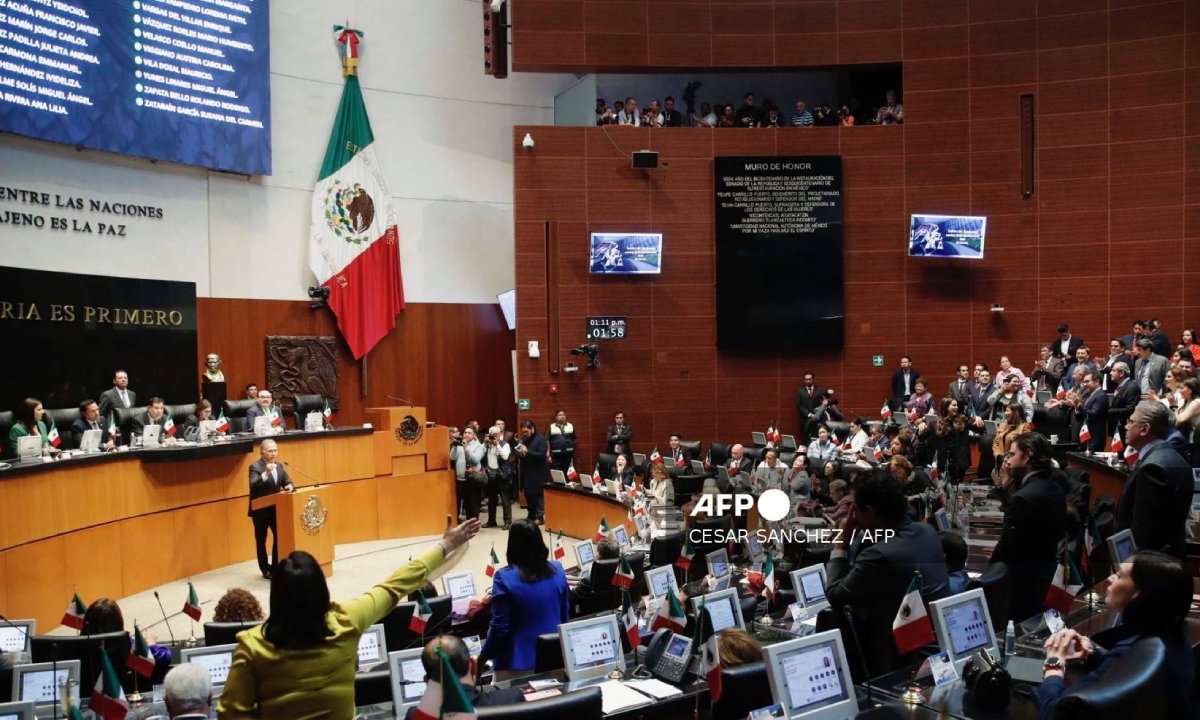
(114, 524)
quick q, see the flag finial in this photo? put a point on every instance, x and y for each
(348, 38)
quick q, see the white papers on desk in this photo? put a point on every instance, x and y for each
(656, 689)
(618, 697)
(543, 684)
(981, 543)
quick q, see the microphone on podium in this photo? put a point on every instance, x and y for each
(315, 482)
(164, 614)
(402, 401)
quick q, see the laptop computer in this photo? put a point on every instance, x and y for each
(697, 467)
(557, 477)
(29, 447)
(758, 438)
(90, 441)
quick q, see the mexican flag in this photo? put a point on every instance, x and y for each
(493, 561)
(354, 247)
(710, 657)
(52, 436)
(276, 417)
(1117, 444)
(602, 531)
(597, 481)
(623, 577)
(670, 614)
(108, 699)
(327, 413)
(73, 617)
(629, 621)
(1085, 435)
(885, 412)
(769, 579)
(140, 659)
(560, 551)
(222, 422)
(655, 456)
(191, 606)
(572, 473)
(1065, 586)
(680, 461)
(113, 430)
(1131, 455)
(421, 615)
(169, 427)
(911, 628)
(444, 696)
(684, 561)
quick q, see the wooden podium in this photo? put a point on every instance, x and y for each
(303, 523)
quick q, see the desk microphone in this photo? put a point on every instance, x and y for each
(315, 482)
(861, 657)
(402, 401)
(164, 614)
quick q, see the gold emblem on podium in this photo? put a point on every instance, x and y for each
(314, 515)
(410, 430)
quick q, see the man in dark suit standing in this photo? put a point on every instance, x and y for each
(670, 116)
(904, 381)
(267, 477)
(1066, 344)
(878, 580)
(1094, 411)
(90, 419)
(960, 387)
(1034, 522)
(1150, 372)
(1048, 372)
(1118, 352)
(117, 396)
(1157, 496)
(1158, 338)
(1124, 399)
(534, 452)
(808, 397)
(619, 435)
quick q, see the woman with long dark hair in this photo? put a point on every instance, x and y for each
(529, 597)
(1153, 593)
(30, 421)
(953, 443)
(300, 663)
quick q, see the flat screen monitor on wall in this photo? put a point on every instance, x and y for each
(626, 253)
(947, 236)
(182, 82)
(508, 306)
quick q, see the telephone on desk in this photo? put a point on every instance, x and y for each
(668, 655)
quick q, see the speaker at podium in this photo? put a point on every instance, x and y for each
(302, 519)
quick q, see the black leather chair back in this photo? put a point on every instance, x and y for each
(994, 582)
(439, 621)
(719, 453)
(692, 447)
(754, 453)
(85, 649)
(63, 419)
(1134, 687)
(584, 704)
(304, 404)
(608, 464)
(786, 457)
(604, 595)
(548, 653)
(224, 633)
(235, 413)
(395, 627)
(839, 428)
(6, 423)
(372, 688)
(125, 418)
(180, 413)
(749, 607)
(637, 563)
(699, 567)
(665, 550)
(743, 688)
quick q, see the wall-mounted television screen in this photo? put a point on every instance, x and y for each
(626, 253)
(949, 236)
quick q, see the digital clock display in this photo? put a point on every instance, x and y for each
(607, 327)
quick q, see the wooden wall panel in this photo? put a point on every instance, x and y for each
(454, 359)
(92, 559)
(1117, 195)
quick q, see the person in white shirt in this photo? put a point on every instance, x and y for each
(499, 472)
(858, 436)
(629, 114)
(769, 473)
(823, 449)
(706, 118)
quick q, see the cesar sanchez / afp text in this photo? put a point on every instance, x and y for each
(820, 536)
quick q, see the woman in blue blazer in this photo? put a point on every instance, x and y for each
(529, 597)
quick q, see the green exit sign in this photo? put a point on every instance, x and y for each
(523, 404)
(877, 360)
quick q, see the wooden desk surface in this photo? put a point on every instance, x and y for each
(578, 512)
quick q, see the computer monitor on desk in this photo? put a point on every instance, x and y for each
(585, 554)
(43, 683)
(620, 536)
(557, 477)
(661, 580)
(723, 607)
(216, 659)
(17, 711)
(718, 563)
(591, 648)
(810, 678)
(963, 626)
(810, 584)
(14, 636)
(1121, 547)
(408, 678)
(372, 648)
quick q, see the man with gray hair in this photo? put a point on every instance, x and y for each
(1125, 397)
(267, 477)
(188, 692)
(1157, 496)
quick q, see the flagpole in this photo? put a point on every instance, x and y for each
(136, 697)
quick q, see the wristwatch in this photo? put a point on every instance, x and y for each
(1052, 663)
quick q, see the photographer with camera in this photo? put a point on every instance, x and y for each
(500, 473)
(466, 453)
